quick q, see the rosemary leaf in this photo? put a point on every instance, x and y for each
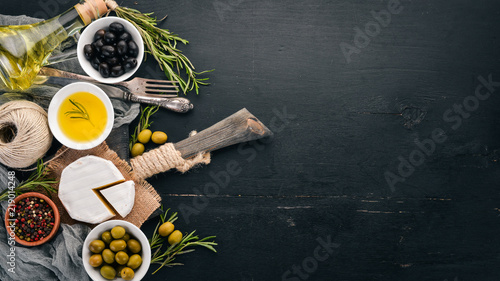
(162, 45)
(166, 258)
(33, 183)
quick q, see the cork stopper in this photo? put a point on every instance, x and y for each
(91, 10)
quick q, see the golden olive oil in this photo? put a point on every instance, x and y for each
(82, 117)
(24, 49)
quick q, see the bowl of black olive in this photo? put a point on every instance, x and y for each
(110, 50)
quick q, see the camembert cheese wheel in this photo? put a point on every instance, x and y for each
(83, 190)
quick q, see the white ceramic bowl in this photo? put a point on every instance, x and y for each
(87, 37)
(133, 230)
(60, 96)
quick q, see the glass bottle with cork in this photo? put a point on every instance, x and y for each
(24, 49)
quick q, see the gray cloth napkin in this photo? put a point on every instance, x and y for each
(60, 258)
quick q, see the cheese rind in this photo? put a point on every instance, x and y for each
(76, 186)
(121, 197)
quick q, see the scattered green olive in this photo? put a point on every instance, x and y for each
(95, 260)
(134, 261)
(127, 273)
(175, 237)
(121, 257)
(117, 245)
(144, 136)
(108, 256)
(166, 228)
(108, 272)
(96, 246)
(137, 149)
(118, 232)
(134, 246)
(159, 137)
(106, 237)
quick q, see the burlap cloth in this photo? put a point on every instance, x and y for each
(147, 200)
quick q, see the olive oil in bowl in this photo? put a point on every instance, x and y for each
(82, 117)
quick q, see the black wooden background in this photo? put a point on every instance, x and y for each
(383, 150)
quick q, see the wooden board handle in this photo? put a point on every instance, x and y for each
(242, 126)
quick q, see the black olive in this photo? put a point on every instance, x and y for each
(121, 48)
(110, 38)
(108, 51)
(130, 64)
(117, 70)
(95, 63)
(98, 45)
(133, 50)
(117, 28)
(104, 69)
(99, 34)
(89, 51)
(113, 61)
(125, 36)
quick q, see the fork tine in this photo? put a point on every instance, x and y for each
(159, 81)
(161, 87)
(160, 91)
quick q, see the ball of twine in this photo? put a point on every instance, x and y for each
(24, 133)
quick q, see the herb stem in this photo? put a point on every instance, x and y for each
(167, 257)
(162, 45)
(33, 182)
(79, 113)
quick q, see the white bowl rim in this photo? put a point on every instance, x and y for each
(62, 94)
(89, 32)
(108, 225)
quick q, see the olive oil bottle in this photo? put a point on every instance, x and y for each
(24, 49)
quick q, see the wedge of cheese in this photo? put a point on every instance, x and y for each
(82, 184)
(121, 197)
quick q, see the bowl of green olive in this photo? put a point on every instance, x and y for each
(116, 250)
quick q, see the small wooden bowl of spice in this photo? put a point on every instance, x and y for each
(32, 219)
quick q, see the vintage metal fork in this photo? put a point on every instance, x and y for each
(138, 86)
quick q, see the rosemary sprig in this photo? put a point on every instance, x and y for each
(162, 45)
(33, 183)
(143, 124)
(167, 257)
(79, 113)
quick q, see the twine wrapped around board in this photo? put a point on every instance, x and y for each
(164, 158)
(24, 133)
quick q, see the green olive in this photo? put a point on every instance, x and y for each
(95, 260)
(106, 237)
(126, 237)
(175, 237)
(108, 256)
(144, 136)
(121, 257)
(159, 137)
(108, 272)
(118, 232)
(117, 245)
(134, 261)
(137, 149)
(166, 228)
(127, 273)
(96, 246)
(134, 246)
